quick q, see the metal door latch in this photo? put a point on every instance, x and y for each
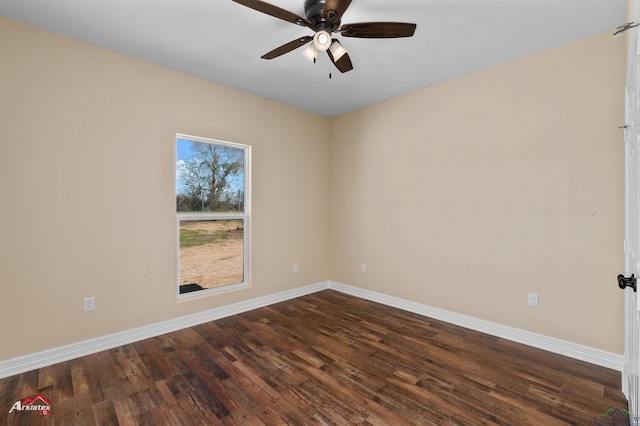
(624, 282)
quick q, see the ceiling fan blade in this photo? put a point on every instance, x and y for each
(343, 63)
(378, 30)
(334, 9)
(275, 11)
(286, 48)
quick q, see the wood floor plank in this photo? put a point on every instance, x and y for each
(7, 388)
(323, 359)
(77, 411)
(103, 413)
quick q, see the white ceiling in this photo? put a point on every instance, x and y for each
(222, 41)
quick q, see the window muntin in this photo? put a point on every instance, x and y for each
(212, 215)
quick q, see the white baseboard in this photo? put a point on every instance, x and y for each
(551, 344)
(48, 357)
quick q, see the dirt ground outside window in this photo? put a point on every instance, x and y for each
(211, 252)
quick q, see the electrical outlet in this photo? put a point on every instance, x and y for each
(296, 268)
(532, 299)
(89, 304)
(363, 267)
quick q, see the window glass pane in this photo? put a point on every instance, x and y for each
(211, 253)
(209, 177)
(212, 206)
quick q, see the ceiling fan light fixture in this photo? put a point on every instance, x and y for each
(322, 40)
(324, 17)
(337, 51)
(311, 53)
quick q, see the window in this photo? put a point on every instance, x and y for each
(212, 195)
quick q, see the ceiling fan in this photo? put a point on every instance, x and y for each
(323, 17)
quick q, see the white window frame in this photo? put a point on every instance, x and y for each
(244, 216)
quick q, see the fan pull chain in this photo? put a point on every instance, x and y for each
(329, 70)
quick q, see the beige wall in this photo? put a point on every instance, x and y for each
(510, 179)
(470, 194)
(87, 158)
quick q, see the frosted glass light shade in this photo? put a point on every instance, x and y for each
(322, 40)
(337, 51)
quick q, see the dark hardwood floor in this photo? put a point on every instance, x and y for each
(326, 358)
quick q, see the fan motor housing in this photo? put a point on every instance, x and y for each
(313, 9)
